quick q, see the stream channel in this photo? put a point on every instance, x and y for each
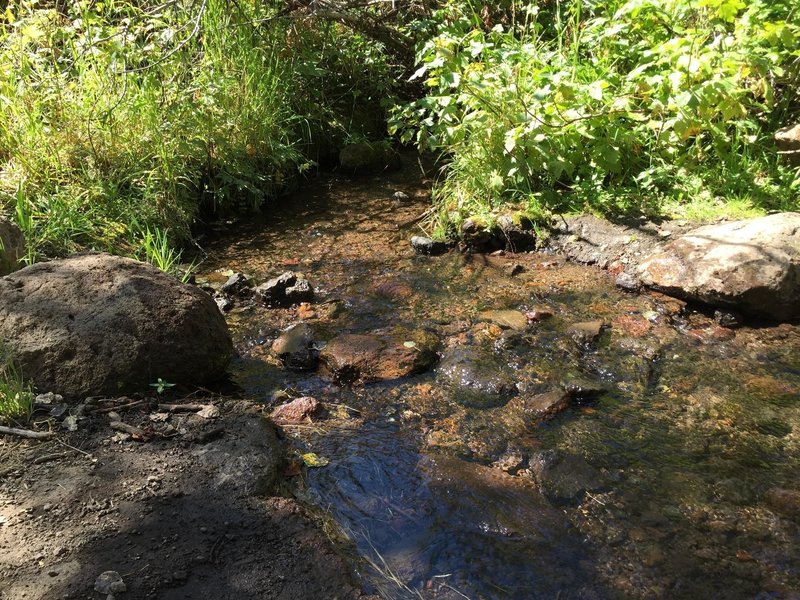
(672, 472)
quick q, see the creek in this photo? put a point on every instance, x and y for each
(672, 473)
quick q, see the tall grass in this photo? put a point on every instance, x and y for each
(123, 117)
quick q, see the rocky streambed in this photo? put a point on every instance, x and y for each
(514, 425)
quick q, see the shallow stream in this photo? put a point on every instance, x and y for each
(673, 473)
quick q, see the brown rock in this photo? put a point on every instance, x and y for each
(586, 333)
(97, 324)
(784, 501)
(787, 140)
(546, 406)
(367, 358)
(296, 411)
(507, 319)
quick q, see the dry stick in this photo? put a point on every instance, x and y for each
(118, 407)
(50, 457)
(175, 408)
(27, 433)
(120, 426)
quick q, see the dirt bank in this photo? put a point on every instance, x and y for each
(187, 514)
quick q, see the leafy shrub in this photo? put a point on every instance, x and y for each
(642, 106)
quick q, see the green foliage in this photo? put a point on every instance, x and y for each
(648, 105)
(125, 117)
(160, 386)
(16, 397)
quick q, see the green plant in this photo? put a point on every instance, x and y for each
(615, 107)
(16, 396)
(161, 386)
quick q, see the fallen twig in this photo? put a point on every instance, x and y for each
(118, 407)
(51, 457)
(120, 426)
(27, 433)
(176, 408)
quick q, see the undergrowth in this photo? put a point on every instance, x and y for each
(16, 397)
(654, 107)
(127, 122)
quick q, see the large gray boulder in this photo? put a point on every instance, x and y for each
(752, 265)
(96, 324)
(12, 246)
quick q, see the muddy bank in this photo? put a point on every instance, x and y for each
(187, 514)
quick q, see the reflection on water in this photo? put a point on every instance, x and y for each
(676, 477)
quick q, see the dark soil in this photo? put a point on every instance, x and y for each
(188, 514)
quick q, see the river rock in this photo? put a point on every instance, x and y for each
(586, 333)
(507, 319)
(238, 284)
(295, 348)
(367, 158)
(565, 478)
(96, 324)
(476, 378)
(426, 245)
(285, 290)
(517, 232)
(787, 140)
(751, 265)
(477, 235)
(12, 246)
(296, 411)
(784, 501)
(544, 407)
(367, 358)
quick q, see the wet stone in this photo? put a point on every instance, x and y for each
(428, 246)
(295, 348)
(224, 303)
(538, 313)
(513, 269)
(238, 284)
(475, 378)
(286, 289)
(564, 479)
(728, 318)
(628, 282)
(544, 407)
(507, 319)
(586, 333)
(370, 357)
(583, 390)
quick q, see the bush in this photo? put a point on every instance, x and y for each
(655, 106)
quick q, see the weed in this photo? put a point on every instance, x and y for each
(16, 396)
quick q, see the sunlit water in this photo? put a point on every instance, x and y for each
(663, 487)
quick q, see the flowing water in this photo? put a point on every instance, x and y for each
(676, 478)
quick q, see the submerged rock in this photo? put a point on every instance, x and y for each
(476, 378)
(586, 333)
(564, 479)
(97, 324)
(295, 348)
(284, 290)
(368, 357)
(507, 319)
(751, 265)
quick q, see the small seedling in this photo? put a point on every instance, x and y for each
(161, 386)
